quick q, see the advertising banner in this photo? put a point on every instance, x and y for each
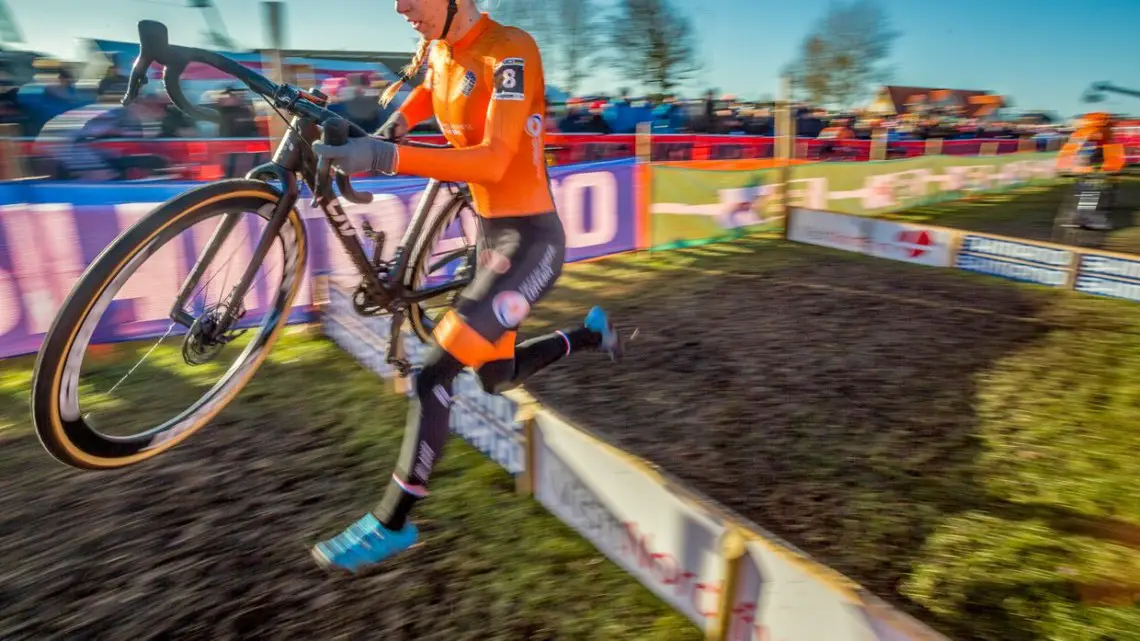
(827, 229)
(690, 206)
(781, 597)
(1015, 259)
(669, 544)
(1107, 275)
(693, 206)
(904, 242)
(910, 243)
(485, 421)
(50, 232)
(875, 188)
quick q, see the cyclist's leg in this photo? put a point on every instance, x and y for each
(526, 261)
(536, 354)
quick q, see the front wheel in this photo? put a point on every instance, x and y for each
(131, 291)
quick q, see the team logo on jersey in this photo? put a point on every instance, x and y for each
(510, 308)
(534, 125)
(468, 83)
(509, 80)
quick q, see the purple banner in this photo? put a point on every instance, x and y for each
(50, 232)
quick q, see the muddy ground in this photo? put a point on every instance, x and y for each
(828, 397)
(211, 540)
(831, 398)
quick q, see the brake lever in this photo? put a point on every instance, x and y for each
(136, 82)
(344, 184)
(320, 185)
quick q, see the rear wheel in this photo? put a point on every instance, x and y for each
(96, 405)
(1068, 224)
(443, 260)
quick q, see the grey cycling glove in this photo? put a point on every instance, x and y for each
(359, 155)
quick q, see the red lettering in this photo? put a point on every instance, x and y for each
(698, 590)
(666, 567)
(685, 583)
(744, 626)
(629, 541)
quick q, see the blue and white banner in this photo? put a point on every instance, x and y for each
(1112, 276)
(1016, 260)
(50, 232)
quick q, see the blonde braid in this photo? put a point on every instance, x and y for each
(408, 72)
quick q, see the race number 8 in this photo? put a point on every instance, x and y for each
(509, 79)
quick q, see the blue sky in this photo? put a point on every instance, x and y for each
(1043, 53)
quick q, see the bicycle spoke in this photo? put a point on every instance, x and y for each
(141, 360)
(226, 264)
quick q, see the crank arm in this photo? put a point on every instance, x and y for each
(395, 355)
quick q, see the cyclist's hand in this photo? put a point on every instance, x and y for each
(359, 155)
(395, 130)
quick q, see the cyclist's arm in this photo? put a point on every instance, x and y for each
(517, 81)
(417, 107)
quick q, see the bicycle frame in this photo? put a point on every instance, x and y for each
(294, 158)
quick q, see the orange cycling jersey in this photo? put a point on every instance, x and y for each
(1099, 134)
(488, 95)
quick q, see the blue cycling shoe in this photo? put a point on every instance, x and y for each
(598, 321)
(364, 543)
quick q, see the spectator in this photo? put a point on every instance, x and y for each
(112, 81)
(10, 112)
(64, 88)
(361, 105)
(237, 114)
(68, 139)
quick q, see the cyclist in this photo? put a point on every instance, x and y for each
(484, 85)
(1092, 150)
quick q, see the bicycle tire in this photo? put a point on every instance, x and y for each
(422, 324)
(55, 407)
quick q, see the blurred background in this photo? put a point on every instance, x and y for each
(61, 119)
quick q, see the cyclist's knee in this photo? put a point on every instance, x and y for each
(497, 377)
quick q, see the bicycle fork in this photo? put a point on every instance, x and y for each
(231, 306)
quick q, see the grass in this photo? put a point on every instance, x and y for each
(510, 557)
(1036, 537)
(1029, 212)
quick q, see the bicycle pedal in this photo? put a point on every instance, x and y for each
(403, 367)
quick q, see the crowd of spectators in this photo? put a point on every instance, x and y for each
(34, 104)
(727, 115)
(53, 103)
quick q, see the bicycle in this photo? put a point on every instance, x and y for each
(408, 286)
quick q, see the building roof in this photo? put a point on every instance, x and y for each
(975, 102)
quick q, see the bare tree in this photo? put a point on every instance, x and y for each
(653, 43)
(575, 39)
(843, 57)
(811, 72)
(536, 17)
(567, 32)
